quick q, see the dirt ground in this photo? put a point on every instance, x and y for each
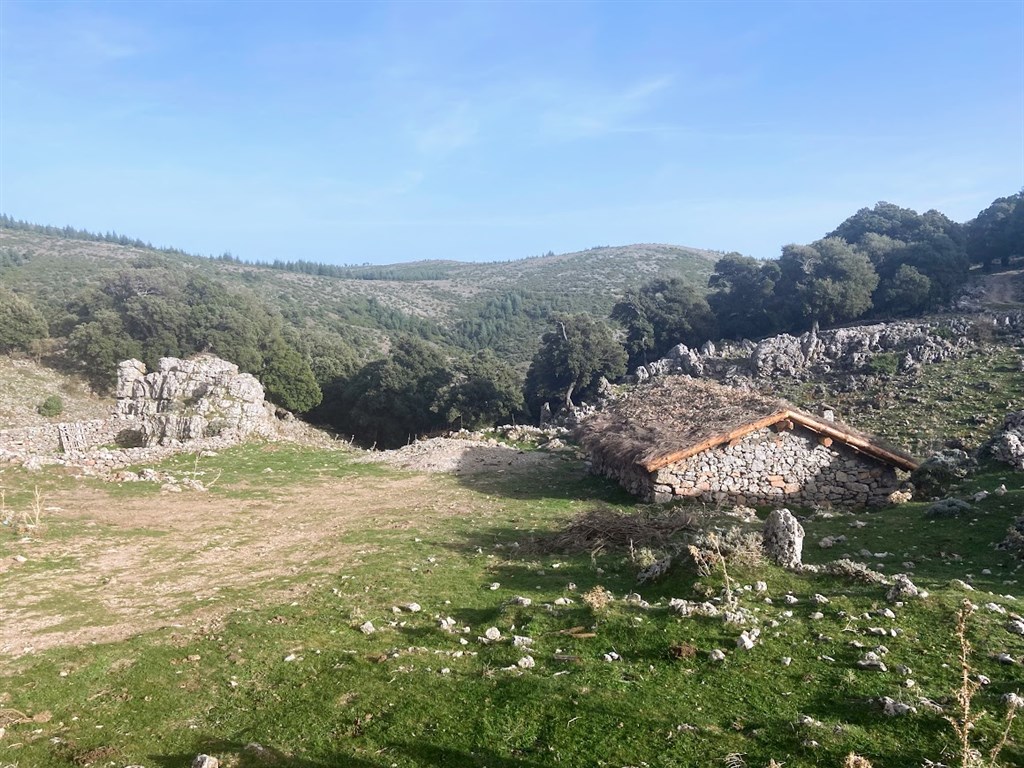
(132, 565)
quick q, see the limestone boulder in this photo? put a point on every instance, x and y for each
(185, 400)
(784, 538)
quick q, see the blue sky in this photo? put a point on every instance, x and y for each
(384, 132)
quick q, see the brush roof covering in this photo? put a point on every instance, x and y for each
(675, 417)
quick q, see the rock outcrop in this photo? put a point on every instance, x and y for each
(843, 350)
(1008, 443)
(192, 399)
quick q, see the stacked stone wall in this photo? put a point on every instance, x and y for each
(63, 437)
(768, 467)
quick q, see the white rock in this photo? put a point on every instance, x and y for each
(519, 641)
(205, 761)
(717, 655)
(492, 634)
(748, 639)
(995, 608)
(896, 708)
(367, 628)
(526, 662)
(520, 600)
(871, 661)
(1013, 700)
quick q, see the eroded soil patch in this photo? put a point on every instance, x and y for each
(104, 569)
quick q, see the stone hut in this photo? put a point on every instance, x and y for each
(680, 437)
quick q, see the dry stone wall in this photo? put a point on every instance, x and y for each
(767, 467)
(60, 438)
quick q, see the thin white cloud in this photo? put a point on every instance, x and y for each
(580, 114)
(442, 130)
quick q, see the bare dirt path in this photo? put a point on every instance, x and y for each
(105, 569)
(1002, 289)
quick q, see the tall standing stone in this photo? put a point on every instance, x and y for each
(783, 538)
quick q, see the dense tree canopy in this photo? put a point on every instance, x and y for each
(150, 312)
(827, 282)
(391, 401)
(486, 392)
(661, 314)
(20, 322)
(742, 292)
(997, 233)
(573, 356)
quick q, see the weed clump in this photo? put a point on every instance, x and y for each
(947, 508)
(604, 528)
(854, 571)
(1014, 541)
(597, 599)
(941, 472)
(50, 407)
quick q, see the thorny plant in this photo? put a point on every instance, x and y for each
(708, 560)
(30, 517)
(964, 722)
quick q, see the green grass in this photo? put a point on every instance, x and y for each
(344, 698)
(958, 399)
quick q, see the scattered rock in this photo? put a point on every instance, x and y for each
(902, 589)
(205, 761)
(1013, 700)
(367, 628)
(855, 572)
(900, 497)
(896, 708)
(748, 639)
(871, 661)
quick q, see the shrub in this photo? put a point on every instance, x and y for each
(884, 364)
(948, 508)
(51, 406)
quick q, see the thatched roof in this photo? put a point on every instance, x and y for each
(675, 417)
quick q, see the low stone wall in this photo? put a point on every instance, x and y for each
(767, 467)
(65, 437)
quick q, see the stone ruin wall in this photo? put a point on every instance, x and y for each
(197, 403)
(768, 467)
(764, 467)
(65, 437)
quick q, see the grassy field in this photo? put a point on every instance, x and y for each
(256, 656)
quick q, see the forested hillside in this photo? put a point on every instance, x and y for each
(388, 352)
